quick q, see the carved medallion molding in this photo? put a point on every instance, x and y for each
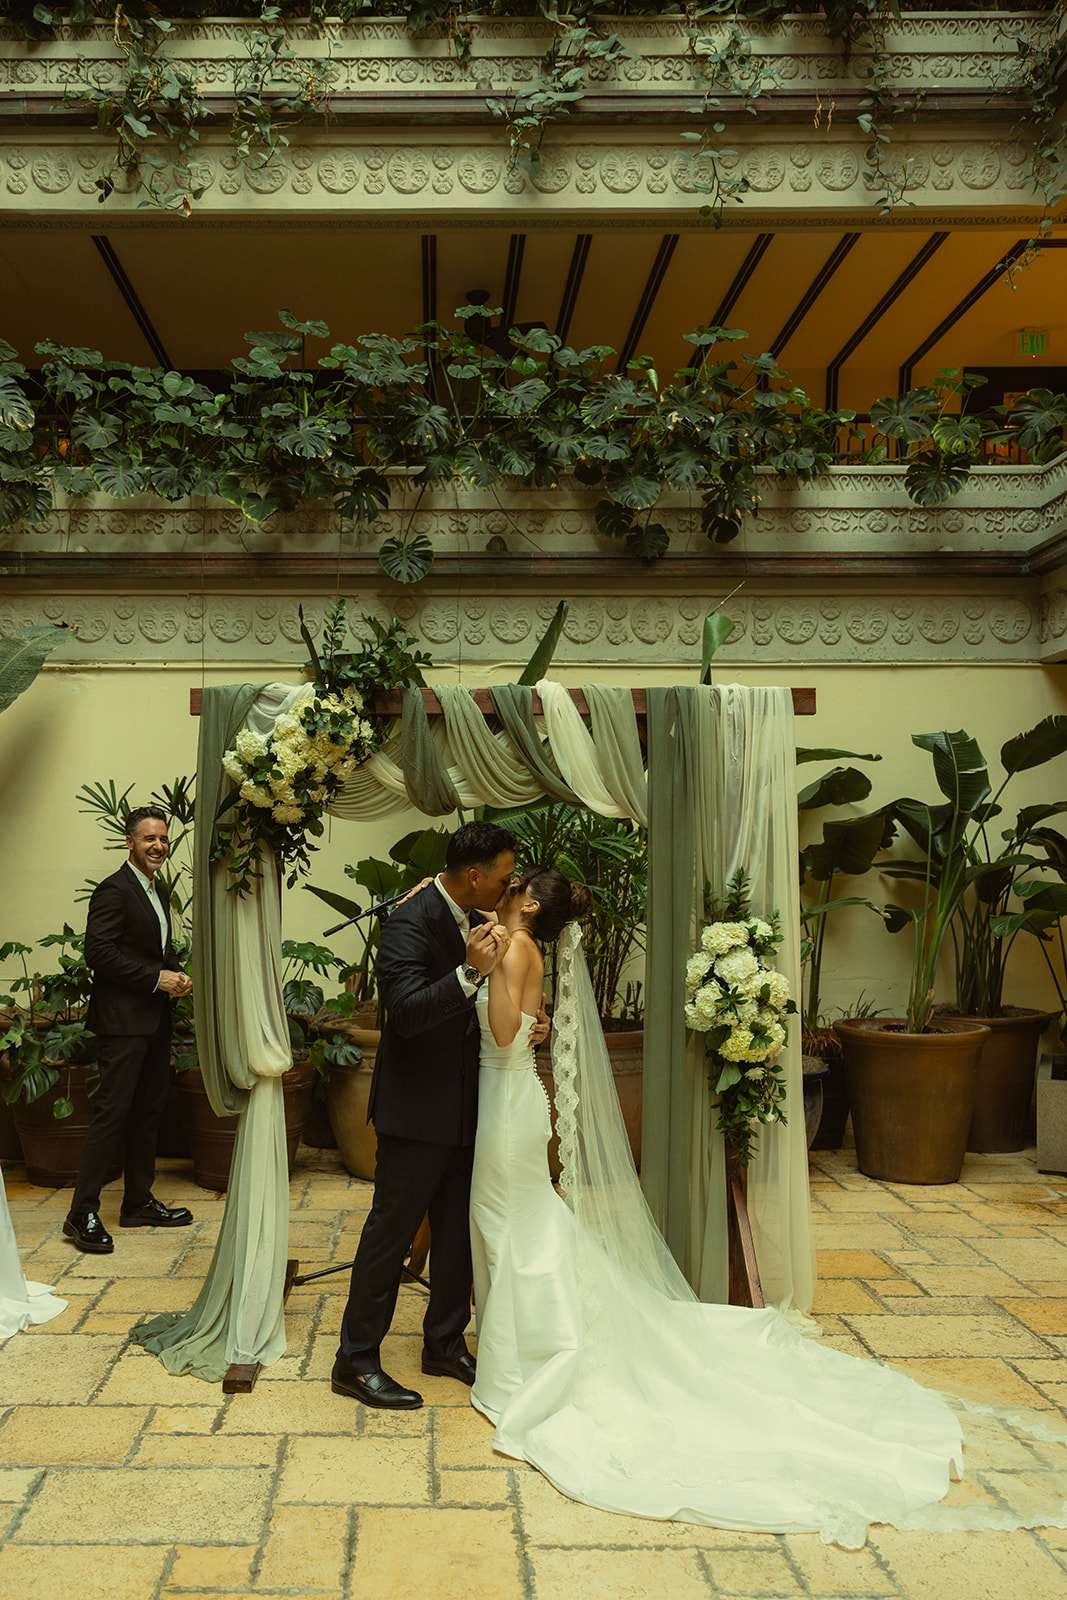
(908, 627)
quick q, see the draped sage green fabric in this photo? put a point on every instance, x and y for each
(514, 707)
(664, 1145)
(429, 786)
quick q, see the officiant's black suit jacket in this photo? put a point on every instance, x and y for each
(425, 1083)
(124, 950)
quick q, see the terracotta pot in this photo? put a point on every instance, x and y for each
(212, 1138)
(626, 1052)
(347, 1093)
(51, 1149)
(912, 1095)
(816, 1072)
(317, 1130)
(1006, 1080)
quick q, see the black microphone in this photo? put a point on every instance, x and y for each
(371, 911)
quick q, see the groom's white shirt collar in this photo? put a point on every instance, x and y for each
(462, 917)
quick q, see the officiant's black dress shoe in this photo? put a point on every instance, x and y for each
(374, 1389)
(461, 1366)
(154, 1214)
(89, 1233)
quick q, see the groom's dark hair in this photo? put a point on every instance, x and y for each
(141, 814)
(477, 844)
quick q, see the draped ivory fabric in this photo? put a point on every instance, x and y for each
(720, 763)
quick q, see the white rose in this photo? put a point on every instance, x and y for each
(249, 745)
(287, 813)
(232, 767)
(737, 968)
(256, 795)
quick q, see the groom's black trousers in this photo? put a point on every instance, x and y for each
(412, 1179)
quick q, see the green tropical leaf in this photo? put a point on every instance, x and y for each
(804, 755)
(612, 520)
(15, 408)
(22, 657)
(841, 787)
(406, 561)
(717, 629)
(848, 845)
(959, 767)
(649, 541)
(538, 664)
(95, 433)
(636, 491)
(958, 435)
(1034, 748)
(118, 475)
(933, 478)
(1034, 416)
(907, 418)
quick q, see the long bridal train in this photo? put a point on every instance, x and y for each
(600, 1367)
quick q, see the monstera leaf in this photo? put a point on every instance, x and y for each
(22, 657)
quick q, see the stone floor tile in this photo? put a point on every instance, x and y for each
(1027, 1193)
(140, 1257)
(906, 1258)
(964, 1280)
(832, 1235)
(368, 1470)
(199, 1567)
(194, 1264)
(1029, 1260)
(622, 1574)
(464, 1439)
(846, 1343)
(990, 1382)
(451, 1555)
(867, 1199)
(828, 1570)
(184, 1419)
(836, 1296)
(175, 1504)
(16, 1485)
(206, 1450)
(142, 1379)
(474, 1488)
(854, 1264)
(1043, 1316)
(144, 1297)
(71, 1435)
(954, 1224)
(307, 1548)
(962, 1335)
(755, 1572)
(996, 1566)
(277, 1406)
(33, 1573)
(893, 1288)
(65, 1368)
(118, 1322)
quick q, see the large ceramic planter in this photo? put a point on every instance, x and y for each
(626, 1054)
(912, 1095)
(212, 1138)
(347, 1095)
(52, 1150)
(1006, 1080)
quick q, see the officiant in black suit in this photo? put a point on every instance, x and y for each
(434, 952)
(135, 975)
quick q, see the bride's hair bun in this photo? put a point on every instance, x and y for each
(559, 901)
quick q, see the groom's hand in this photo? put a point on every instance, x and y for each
(484, 948)
(542, 1027)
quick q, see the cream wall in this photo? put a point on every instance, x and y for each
(75, 727)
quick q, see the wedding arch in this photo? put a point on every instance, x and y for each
(708, 771)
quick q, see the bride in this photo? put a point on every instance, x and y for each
(595, 1360)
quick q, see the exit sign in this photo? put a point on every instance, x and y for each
(1033, 343)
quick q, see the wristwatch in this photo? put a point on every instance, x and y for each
(472, 974)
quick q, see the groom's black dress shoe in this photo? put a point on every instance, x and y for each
(374, 1389)
(154, 1214)
(89, 1233)
(461, 1366)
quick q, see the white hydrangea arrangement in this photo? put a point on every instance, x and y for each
(739, 1003)
(284, 780)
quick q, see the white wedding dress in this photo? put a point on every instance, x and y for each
(600, 1368)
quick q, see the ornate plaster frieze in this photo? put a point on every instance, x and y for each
(855, 513)
(836, 627)
(934, 53)
(441, 171)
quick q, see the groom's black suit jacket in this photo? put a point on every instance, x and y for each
(125, 952)
(425, 1083)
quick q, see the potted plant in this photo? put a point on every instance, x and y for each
(912, 1081)
(50, 1067)
(1044, 907)
(986, 860)
(847, 849)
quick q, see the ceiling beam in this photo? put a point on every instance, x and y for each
(575, 274)
(129, 294)
(653, 284)
(812, 292)
(871, 320)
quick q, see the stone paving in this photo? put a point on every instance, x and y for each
(120, 1482)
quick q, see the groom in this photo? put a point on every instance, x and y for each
(434, 952)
